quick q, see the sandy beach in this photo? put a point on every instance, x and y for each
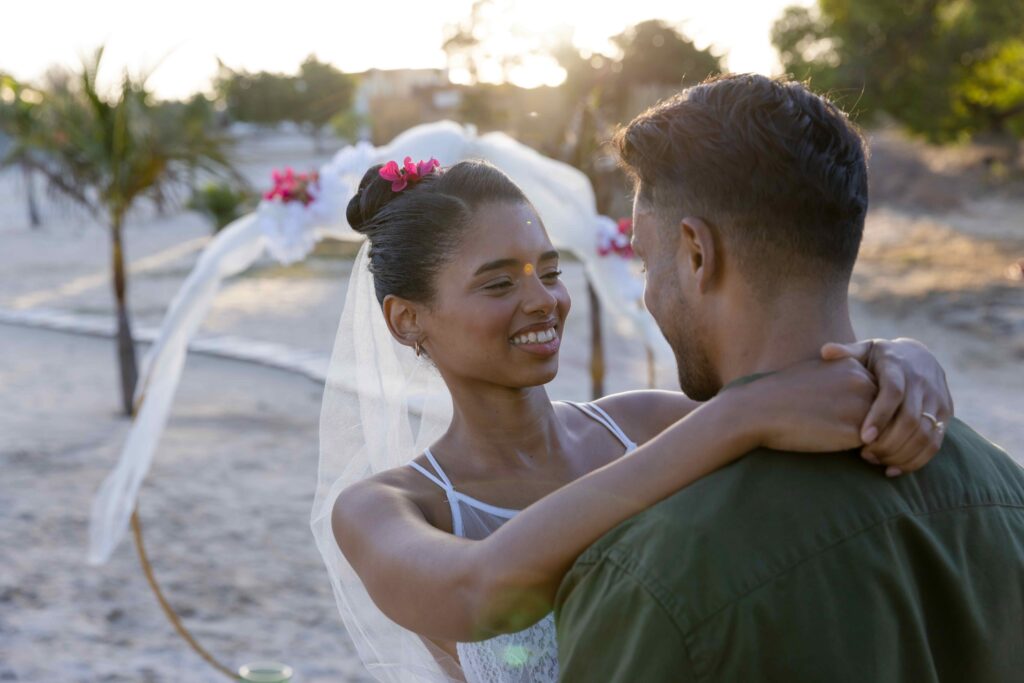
(226, 506)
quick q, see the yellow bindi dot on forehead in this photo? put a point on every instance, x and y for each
(528, 269)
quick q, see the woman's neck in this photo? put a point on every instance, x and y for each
(504, 427)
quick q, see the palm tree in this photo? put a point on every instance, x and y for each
(19, 110)
(107, 153)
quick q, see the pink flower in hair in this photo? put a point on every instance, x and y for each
(408, 173)
(395, 175)
(425, 167)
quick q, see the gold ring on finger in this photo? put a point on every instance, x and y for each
(936, 423)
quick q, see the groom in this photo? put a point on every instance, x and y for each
(750, 202)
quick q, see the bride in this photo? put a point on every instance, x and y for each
(462, 548)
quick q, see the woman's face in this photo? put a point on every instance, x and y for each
(500, 304)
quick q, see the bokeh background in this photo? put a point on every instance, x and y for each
(130, 133)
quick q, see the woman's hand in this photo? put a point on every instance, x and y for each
(814, 406)
(906, 424)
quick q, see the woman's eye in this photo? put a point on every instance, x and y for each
(499, 285)
(553, 275)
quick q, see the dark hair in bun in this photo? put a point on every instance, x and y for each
(413, 232)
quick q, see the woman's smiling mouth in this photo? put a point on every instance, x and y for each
(542, 342)
(541, 337)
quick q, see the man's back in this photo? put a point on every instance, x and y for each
(789, 567)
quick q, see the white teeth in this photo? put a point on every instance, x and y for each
(541, 337)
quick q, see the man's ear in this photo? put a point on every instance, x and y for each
(402, 317)
(697, 255)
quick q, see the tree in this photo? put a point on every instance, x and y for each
(324, 92)
(107, 153)
(652, 54)
(462, 44)
(19, 113)
(349, 125)
(311, 98)
(262, 97)
(656, 52)
(946, 69)
(491, 43)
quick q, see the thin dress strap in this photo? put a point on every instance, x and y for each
(597, 413)
(426, 473)
(442, 480)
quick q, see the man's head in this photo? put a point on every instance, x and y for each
(748, 190)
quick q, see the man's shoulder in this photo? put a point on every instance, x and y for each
(772, 510)
(775, 485)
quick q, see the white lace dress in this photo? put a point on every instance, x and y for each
(530, 655)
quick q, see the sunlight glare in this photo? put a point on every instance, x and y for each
(181, 42)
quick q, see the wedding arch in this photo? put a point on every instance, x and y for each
(288, 231)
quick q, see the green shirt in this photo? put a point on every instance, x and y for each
(810, 567)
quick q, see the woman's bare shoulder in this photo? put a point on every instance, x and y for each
(400, 490)
(401, 482)
(643, 414)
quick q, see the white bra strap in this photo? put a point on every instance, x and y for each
(437, 468)
(426, 473)
(600, 415)
(442, 480)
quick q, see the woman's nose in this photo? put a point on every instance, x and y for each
(539, 297)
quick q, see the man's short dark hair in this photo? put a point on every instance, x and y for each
(777, 170)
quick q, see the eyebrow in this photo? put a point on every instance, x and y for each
(507, 262)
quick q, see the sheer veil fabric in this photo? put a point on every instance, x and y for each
(382, 406)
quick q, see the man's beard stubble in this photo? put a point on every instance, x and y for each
(695, 378)
(684, 333)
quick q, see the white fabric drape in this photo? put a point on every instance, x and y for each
(561, 194)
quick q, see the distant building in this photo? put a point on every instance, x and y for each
(392, 100)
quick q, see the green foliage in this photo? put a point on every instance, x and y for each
(311, 98)
(262, 97)
(994, 88)
(656, 52)
(652, 53)
(106, 153)
(19, 121)
(347, 124)
(19, 114)
(944, 68)
(221, 202)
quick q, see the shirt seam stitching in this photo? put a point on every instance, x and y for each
(626, 568)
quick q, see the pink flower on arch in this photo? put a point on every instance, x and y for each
(289, 187)
(617, 242)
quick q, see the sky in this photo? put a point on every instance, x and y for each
(180, 42)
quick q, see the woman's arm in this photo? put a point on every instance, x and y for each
(911, 382)
(449, 588)
(911, 386)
